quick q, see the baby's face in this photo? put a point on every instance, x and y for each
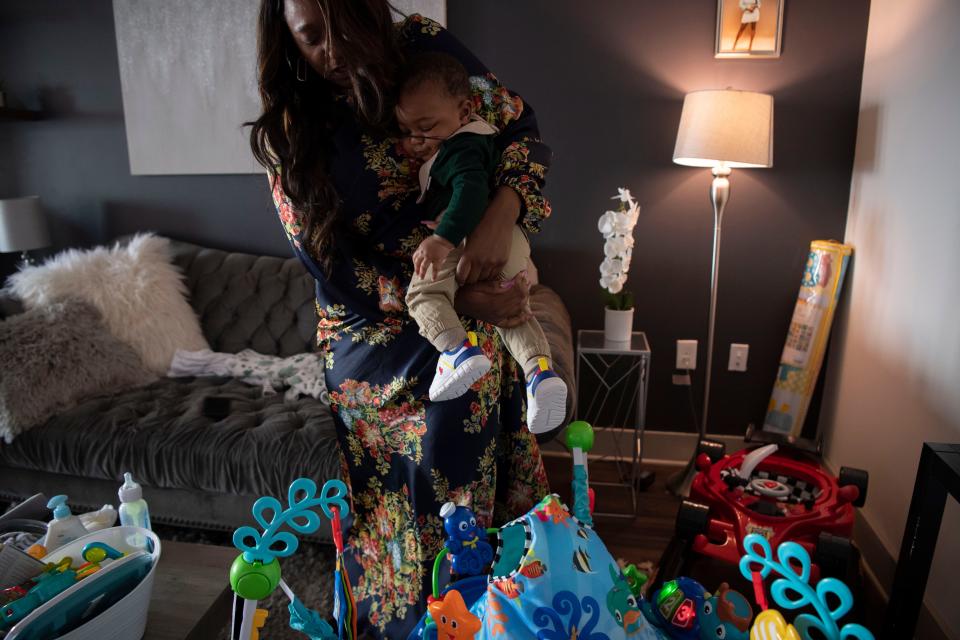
(427, 116)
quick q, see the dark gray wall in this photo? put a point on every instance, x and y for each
(607, 79)
(61, 57)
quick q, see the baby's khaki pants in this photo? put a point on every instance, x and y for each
(430, 303)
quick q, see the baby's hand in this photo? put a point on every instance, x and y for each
(431, 253)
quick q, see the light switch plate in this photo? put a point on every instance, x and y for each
(738, 357)
(686, 354)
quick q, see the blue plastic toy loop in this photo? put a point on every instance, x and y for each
(758, 552)
(299, 516)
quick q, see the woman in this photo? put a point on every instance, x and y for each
(749, 17)
(346, 197)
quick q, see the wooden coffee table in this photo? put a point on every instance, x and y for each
(191, 598)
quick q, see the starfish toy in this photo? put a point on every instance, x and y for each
(553, 511)
(454, 621)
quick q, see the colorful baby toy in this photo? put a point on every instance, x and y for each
(636, 578)
(466, 541)
(551, 578)
(454, 621)
(674, 608)
(255, 573)
(792, 591)
(725, 614)
(578, 437)
(19, 601)
(780, 492)
(682, 609)
(622, 603)
(95, 554)
(771, 625)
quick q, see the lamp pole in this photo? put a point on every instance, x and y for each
(679, 483)
(719, 194)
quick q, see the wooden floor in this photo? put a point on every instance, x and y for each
(638, 539)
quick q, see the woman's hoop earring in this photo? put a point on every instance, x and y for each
(300, 72)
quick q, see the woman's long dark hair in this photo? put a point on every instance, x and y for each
(291, 138)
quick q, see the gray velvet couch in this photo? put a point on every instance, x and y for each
(199, 468)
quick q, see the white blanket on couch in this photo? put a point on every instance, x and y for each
(302, 374)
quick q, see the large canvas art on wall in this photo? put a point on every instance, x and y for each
(188, 75)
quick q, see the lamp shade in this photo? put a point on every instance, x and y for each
(22, 225)
(734, 128)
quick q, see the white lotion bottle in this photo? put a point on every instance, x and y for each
(65, 527)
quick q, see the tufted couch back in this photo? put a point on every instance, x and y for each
(246, 301)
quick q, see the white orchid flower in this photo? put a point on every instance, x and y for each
(617, 229)
(605, 224)
(615, 246)
(608, 267)
(623, 224)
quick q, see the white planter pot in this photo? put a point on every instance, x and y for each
(617, 325)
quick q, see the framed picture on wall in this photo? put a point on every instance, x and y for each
(749, 28)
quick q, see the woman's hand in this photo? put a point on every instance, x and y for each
(503, 303)
(488, 247)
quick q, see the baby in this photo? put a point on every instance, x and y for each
(435, 114)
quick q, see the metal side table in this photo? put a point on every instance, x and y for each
(612, 382)
(938, 476)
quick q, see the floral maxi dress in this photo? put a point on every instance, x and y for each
(402, 455)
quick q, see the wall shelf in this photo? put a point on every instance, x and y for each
(6, 113)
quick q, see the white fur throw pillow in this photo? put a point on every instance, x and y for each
(136, 288)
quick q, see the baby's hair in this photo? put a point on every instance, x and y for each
(442, 69)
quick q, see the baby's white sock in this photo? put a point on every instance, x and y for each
(450, 339)
(532, 364)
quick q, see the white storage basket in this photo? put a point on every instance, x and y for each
(127, 618)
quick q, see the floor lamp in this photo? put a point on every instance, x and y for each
(722, 130)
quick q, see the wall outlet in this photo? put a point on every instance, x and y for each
(686, 354)
(738, 357)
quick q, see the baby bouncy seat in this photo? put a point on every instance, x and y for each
(552, 579)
